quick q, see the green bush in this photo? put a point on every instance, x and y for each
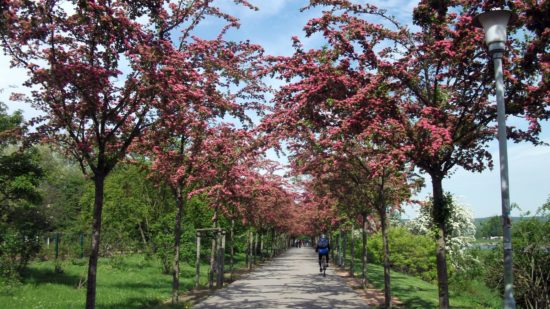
(409, 253)
(531, 259)
(19, 238)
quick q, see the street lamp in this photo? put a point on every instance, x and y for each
(494, 23)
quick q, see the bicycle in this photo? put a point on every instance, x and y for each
(324, 265)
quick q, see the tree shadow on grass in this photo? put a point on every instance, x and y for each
(402, 288)
(139, 303)
(43, 276)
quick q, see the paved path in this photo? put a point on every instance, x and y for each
(290, 281)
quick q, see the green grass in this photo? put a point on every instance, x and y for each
(416, 293)
(122, 282)
(137, 282)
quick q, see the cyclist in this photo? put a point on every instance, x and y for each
(323, 248)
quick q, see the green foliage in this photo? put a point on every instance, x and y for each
(491, 227)
(409, 253)
(10, 125)
(139, 215)
(132, 205)
(125, 209)
(21, 221)
(20, 176)
(531, 247)
(468, 279)
(162, 233)
(19, 237)
(62, 188)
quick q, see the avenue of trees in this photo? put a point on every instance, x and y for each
(151, 132)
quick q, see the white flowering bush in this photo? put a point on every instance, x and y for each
(460, 229)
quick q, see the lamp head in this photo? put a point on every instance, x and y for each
(494, 24)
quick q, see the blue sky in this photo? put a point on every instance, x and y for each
(273, 26)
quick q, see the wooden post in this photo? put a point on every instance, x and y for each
(198, 261)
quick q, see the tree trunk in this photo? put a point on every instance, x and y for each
(180, 204)
(338, 248)
(255, 246)
(332, 246)
(213, 255)
(250, 241)
(99, 181)
(247, 251)
(387, 286)
(143, 239)
(219, 258)
(364, 257)
(439, 216)
(352, 253)
(232, 235)
(262, 239)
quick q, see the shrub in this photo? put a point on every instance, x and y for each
(409, 253)
(531, 245)
(162, 240)
(19, 238)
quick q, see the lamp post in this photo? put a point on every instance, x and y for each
(494, 23)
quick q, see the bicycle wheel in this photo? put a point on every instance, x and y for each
(324, 264)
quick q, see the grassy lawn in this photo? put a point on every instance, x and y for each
(416, 293)
(122, 282)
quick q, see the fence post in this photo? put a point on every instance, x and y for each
(345, 237)
(198, 261)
